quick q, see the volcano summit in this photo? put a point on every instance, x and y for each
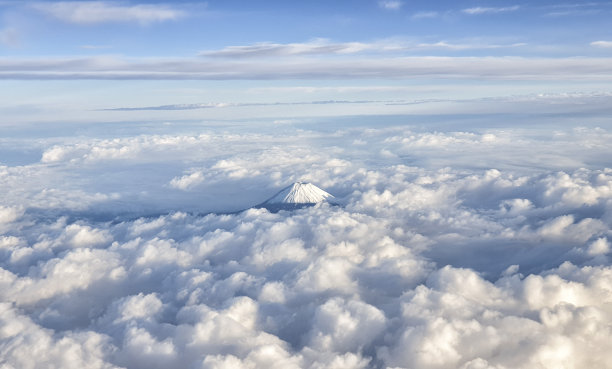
(296, 196)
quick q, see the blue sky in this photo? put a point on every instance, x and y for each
(47, 28)
(96, 55)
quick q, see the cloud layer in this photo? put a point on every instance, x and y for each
(317, 68)
(450, 249)
(359, 286)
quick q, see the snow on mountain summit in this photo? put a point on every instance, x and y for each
(299, 193)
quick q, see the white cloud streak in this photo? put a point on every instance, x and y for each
(96, 12)
(490, 10)
(309, 68)
(322, 47)
(458, 46)
(602, 44)
(268, 49)
(570, 98)
(245, 104)
(391, 4)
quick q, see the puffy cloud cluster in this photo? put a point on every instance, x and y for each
(229, 171)
(143, 147)
(364, 285)
(488, 263)
(457, 319)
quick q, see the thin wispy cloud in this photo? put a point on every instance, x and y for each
(578, 5)
(459, 46)
(307, 68)
(390, 5)
(95, 12)
(229, 105)
(582, 98)
(318, 46)
(95, 47)
(322, 47)
(576, 9)
(486, 10)
(424, 15)
(573, 13)
(603, 44)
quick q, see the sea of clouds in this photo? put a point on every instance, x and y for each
(451, 247)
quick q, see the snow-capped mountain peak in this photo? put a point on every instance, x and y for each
(299, 193)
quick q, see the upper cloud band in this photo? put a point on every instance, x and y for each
(308, 68)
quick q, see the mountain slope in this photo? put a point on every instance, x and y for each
(296, 196)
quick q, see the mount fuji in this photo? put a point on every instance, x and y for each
(296, 196)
